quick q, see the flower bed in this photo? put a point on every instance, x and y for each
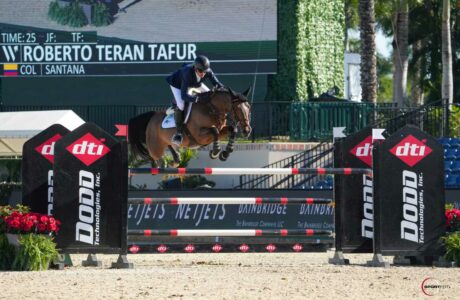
(452, 238)
(26, 239)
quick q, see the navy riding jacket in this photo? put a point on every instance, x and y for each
(185, 78)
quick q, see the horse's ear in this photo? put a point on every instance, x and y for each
(232, 92)
(246, 92)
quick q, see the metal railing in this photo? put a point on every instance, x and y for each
(318, 156)
(313, 121)
(431, 118)
(304, 121)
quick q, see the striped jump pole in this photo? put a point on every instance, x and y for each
(250, 171)
(243, 200)
(230, 232)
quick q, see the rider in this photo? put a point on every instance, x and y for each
(189, 76)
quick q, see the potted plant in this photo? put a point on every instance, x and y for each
(31, 236)
(175, 182)
(7, 252)
(452, 238)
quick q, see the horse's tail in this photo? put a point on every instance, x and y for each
(136, 134)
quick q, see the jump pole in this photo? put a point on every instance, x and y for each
(250, 171)
(230, 232)
(216, 200)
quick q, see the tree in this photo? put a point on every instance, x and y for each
(368, 50)
(447, 90)
(400, 53)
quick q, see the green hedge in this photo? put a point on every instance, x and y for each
(73, 16)
(310, 49)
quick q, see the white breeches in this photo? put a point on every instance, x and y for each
(177, 94)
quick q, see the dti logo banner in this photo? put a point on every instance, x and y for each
(408, 194)
(354, 194)
(88, 149)
(37, 169)
(91, 190)
(363, 151)
(411, 150)
(47, 148)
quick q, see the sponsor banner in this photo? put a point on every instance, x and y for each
(37, 169)
(226, 216)
(354, 194)
(409, 194)
(270, 216)
(90, 191)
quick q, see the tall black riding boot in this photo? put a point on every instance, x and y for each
(179, 119)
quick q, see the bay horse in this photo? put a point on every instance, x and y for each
(207, 124)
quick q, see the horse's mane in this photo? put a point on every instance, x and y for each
(207, 96)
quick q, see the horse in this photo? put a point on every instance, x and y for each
(207, 124)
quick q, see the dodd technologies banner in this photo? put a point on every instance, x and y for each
(89, 165)
(409, 194)
(354, 194)
(37, 169)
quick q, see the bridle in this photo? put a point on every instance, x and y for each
(232, 115)
(236, 102)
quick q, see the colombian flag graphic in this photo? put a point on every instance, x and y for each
(10, 69)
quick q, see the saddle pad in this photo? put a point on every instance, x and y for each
(168, 121)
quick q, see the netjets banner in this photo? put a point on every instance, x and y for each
(89, 165)
(231, 216)
(409, 194)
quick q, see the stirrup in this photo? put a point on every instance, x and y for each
(177, 139)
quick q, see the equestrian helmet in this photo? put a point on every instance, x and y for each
(202, 63)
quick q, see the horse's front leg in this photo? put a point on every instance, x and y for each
(231, 131)
(215, 151)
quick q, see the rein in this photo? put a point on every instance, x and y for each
(215, 113)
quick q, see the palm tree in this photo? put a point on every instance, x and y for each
(400, 53)
(368, 51)
(447, 91)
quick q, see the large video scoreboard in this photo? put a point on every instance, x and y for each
(144, 38)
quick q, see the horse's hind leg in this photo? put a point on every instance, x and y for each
(174, 154)
(214, 153)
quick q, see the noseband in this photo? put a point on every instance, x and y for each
(235, 102)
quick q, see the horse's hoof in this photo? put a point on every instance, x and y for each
(224, 155)
(214, 154)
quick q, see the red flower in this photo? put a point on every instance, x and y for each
(30, 223)
(52, 227)
(41, 228)
(452, 219)
(27, 226)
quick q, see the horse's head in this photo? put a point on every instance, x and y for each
(227, 101)
(241, 109)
